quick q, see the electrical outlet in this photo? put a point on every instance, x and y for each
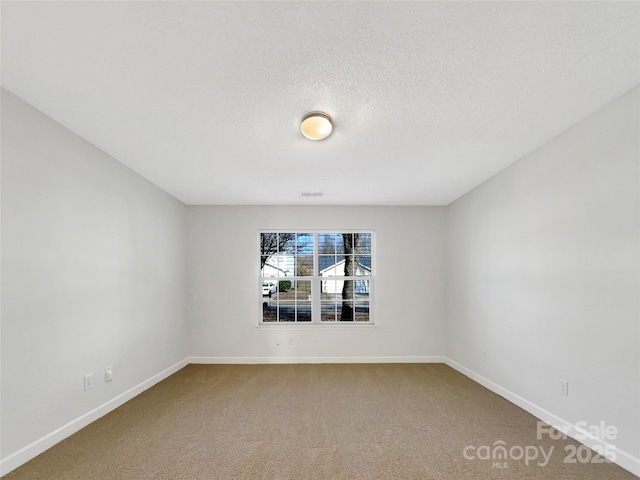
(88, 382)
(564, 388)
(290, 340)
(108, 374)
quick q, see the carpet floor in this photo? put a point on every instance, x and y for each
(378, 421)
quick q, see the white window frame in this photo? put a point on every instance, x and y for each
(316, 279)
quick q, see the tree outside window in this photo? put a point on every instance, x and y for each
(328, 276)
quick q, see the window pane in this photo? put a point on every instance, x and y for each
(286, 291)
(271, 267)
(331, 288)
(269, 312)
(303, 300)
(268, 248)
(331, 266)
(286, 311)
(268, 243)
(304, 243)
(285, 265)
(286, 242)
(303, 311)
(361, 310)
(304, 265)
(363, 243)
(347, 289)
(340, 242)
(283, 287)
(349, 267)
(328, 311)
(303, 290)
(363, 267)
(267, 269)
(345, 309)
(325, 262)
(269, 289)
(326, 243)
(361, 288)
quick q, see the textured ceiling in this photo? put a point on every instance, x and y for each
(429, 99)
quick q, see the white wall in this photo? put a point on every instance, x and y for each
(543, 275)
(93, 274)
(223, 280)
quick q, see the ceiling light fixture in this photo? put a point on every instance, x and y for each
(316, 126)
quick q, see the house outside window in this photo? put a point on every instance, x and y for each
(316, 277)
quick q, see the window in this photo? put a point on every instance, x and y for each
(316, 277)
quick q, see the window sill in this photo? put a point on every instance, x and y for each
(315, 326)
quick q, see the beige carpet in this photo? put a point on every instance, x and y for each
(310, 422)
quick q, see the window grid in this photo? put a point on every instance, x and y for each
(310, 271)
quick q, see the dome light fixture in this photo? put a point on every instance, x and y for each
(316, 126)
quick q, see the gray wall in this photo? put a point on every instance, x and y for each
(93, 274)
(543, 274)
(224, 300)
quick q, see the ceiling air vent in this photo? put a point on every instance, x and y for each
(311, 194)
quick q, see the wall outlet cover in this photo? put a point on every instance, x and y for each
(88, 382)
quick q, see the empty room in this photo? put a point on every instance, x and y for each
(320, 240)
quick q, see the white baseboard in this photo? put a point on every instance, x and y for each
(280, 360)
(623, 459)
(34, 449)
(31, 451)
(13, 461)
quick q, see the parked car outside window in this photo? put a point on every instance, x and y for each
(269, 288)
